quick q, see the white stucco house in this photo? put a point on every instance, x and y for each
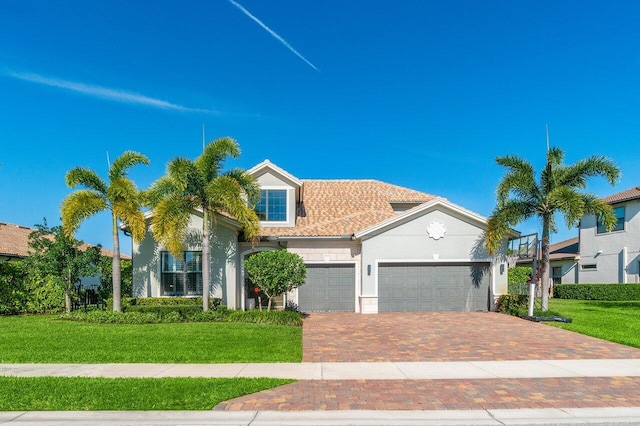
(369, 247)
(612, 257)
(597, 255)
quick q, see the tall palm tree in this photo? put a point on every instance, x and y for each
(520, 197)
(120, 196)
(201, 185)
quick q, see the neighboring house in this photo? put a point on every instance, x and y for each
(564, 257)
(14, 245)
(369, 247)
(612, 257)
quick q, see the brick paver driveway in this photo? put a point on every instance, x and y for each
(455, 336)
(445, 336)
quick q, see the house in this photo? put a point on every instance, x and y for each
(612, 256)
(14, 245)
(369, 247)
(597, 255)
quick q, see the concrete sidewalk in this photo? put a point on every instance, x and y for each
(344, 370)
(591, 416)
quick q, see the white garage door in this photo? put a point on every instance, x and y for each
(328, 288)
(415, 287)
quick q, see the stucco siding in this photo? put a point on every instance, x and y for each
(614, 254)
(146, 261)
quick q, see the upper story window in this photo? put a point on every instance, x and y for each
(619, 213)
(273, 205)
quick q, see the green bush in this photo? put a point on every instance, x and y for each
(45, 296)
(267, 317)
(512, 304)
(519, 274)
(110, 317)
(208, 316)
(184, 311)
(127, 302)
(607, 292)
(13, 294)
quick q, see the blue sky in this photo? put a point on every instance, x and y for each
(417, 93)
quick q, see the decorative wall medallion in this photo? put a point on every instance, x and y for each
(436, 230)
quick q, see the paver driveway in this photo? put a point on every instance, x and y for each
(445, 336)
(455, 336)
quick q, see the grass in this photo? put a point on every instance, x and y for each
(614, 321)
(46, 339)
(80, 393)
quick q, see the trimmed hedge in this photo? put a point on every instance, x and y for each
(127, 302)
(184, 311)
(607, 292)
(266, 317)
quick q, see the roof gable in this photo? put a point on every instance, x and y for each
(421, 209)
(267, 166)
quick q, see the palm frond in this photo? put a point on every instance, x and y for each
(212, 159)
(129, 212)
(602, 210)
(503, 217)
(577, 174)
(82, 176)
(169, 223)
(80, 205)
(249, 184)
(127, 160)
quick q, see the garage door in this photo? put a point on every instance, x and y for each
(407, 287)
(328, 288)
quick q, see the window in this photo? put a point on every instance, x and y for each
(556, 273)
(619, 213)
(181, 277)
(273, 205)
(589, 267)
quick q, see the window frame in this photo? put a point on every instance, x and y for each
(186, 274)
(266, 197)
(600, 229)
(587, 267)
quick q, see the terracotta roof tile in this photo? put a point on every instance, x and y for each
(629, 194)
(14, 242)
(343, 207)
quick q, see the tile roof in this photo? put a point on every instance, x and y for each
(567, 249)
(333, 208)
(629, 194)
(14, 242)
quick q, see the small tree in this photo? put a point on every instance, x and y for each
(57, 257)
(105, 267)
(276, 272)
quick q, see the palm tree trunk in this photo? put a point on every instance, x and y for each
(115, 265)
(206, 253)
(544, 275)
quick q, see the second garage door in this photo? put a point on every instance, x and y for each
(328, 288)
(407, 287)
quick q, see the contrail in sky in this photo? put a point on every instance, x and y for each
(273, 33)
(104, 92)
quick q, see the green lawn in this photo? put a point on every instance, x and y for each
(79, 393)
(614, 321)
(46, 339)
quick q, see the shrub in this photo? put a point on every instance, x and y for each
(519, 274)
(13, 294)
(110, 317)
(267, 317)
(607, 292)
(518, 288)
(208, 316)
(512, 304)
(173, 316)
(184, 311)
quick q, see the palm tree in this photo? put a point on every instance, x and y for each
(520, 197)
(201, 185)
(120, 196)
